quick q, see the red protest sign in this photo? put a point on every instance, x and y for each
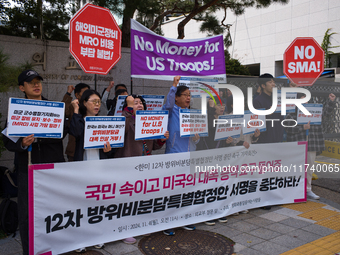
(95, 39)
(303, 61)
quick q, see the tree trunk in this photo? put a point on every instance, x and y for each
(196, 10)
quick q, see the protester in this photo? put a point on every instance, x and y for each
(206, 143)
(315, 137)
(274, 132)
(69, 110)
(88, 105)
(132, 147)
(44, 150)
(110, 104)
(178, 98)
(213, 111)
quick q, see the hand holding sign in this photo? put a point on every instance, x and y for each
(166, 134)
(306, 126)
(107, 147)
(229, 140)
(257, 133)
(27, 141)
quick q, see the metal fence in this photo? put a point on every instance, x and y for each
(319, 91)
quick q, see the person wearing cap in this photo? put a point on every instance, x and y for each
(44, 150)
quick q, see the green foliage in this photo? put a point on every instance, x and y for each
(233, 66)
(9, 73)
(327, 45)
(26, 17)
(9, 78)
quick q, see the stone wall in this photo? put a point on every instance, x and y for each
(53, 61)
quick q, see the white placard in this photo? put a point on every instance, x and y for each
(199, 86)
(81, 204)
(228, 128)
(289, 107)
(253, 122)
(193, 122)
(119, 105)
(151, 124)
(99, 130)
(44, 119)
(315, 118)
(153, 102)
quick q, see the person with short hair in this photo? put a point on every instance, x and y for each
(315, 137)
(274, 132)
(178, 98)
(110, 104)
(44, 150)
(78, 92)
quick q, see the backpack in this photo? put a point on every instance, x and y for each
(8, 182)
(8, 216)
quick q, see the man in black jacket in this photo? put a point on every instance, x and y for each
(43, 151)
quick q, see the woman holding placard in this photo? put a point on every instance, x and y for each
(133, 148)
(88, 105)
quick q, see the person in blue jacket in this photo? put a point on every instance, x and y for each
(178, 98)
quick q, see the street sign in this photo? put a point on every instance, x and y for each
(303, 61)
(95, 39)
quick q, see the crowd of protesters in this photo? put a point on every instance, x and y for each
(87, 102)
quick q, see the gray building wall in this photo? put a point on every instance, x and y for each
(53, 61)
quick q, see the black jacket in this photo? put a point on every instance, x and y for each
(77, 130)
(44, 150)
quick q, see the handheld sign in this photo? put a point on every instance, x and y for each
(289, 107)
(192, 122)
(253, 122)
(199, 86)
(99, 130)
(95, 39)
(303, 61)
(153, 102)
(119, 105)
(44, 119)
(151, 124)
(315, 118)
(230, 126)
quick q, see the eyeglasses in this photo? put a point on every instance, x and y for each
(186, 95)
(96, 101)
(33, 83)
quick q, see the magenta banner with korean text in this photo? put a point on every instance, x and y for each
(157, 57)
(80, 204)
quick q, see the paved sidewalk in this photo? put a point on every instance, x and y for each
(305, 228)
